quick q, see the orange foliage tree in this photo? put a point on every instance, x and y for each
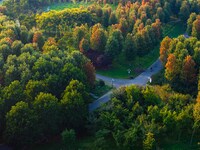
(157, 28)
(84, 45)
(164, 47)
(172, 68)
(189, 71)
(38, 38)
(98, 39)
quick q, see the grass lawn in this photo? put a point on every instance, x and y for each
(61, 6)
(173, 30)
(120, 66)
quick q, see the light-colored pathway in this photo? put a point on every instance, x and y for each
(141, 79)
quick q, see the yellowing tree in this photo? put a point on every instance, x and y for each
(98, 39)
(164, 47)
(172, 68)
(188, 71)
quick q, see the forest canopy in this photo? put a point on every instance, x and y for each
(48, 62)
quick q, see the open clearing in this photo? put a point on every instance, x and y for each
(61, 6)
(120, 65)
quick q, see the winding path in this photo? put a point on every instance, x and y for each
(141, 79)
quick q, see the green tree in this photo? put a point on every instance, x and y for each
(196, 28)
(24, 35)
(47, 108)
(114, 44)
(50, 45)
(16, 46)
(69, 138)
(27, 48)
(184, 10)
(149, 142)
(5, 51)
(160, 14)
(105, 18)
(79, 33)
(129, 47)
(112, 19)
(150, 97)
(84, 45)
(112, 48)
(190, 21)
(196, 56)
(12, 94)
(33, 88)
(20, 124)
(196, 115)
(74, 102)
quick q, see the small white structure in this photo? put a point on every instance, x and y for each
(48, 9)
(112, 82)
(129, 71)
(150, 79)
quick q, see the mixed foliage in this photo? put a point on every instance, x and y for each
(144, 117)
(45, 73)
(41, 85)
(181, 60)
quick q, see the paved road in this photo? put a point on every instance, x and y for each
(141, 79)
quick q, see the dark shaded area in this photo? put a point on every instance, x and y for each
(5, 147)
(99, 60)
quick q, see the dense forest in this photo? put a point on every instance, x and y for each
(48, 61)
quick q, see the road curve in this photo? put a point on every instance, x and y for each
(141, 79)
